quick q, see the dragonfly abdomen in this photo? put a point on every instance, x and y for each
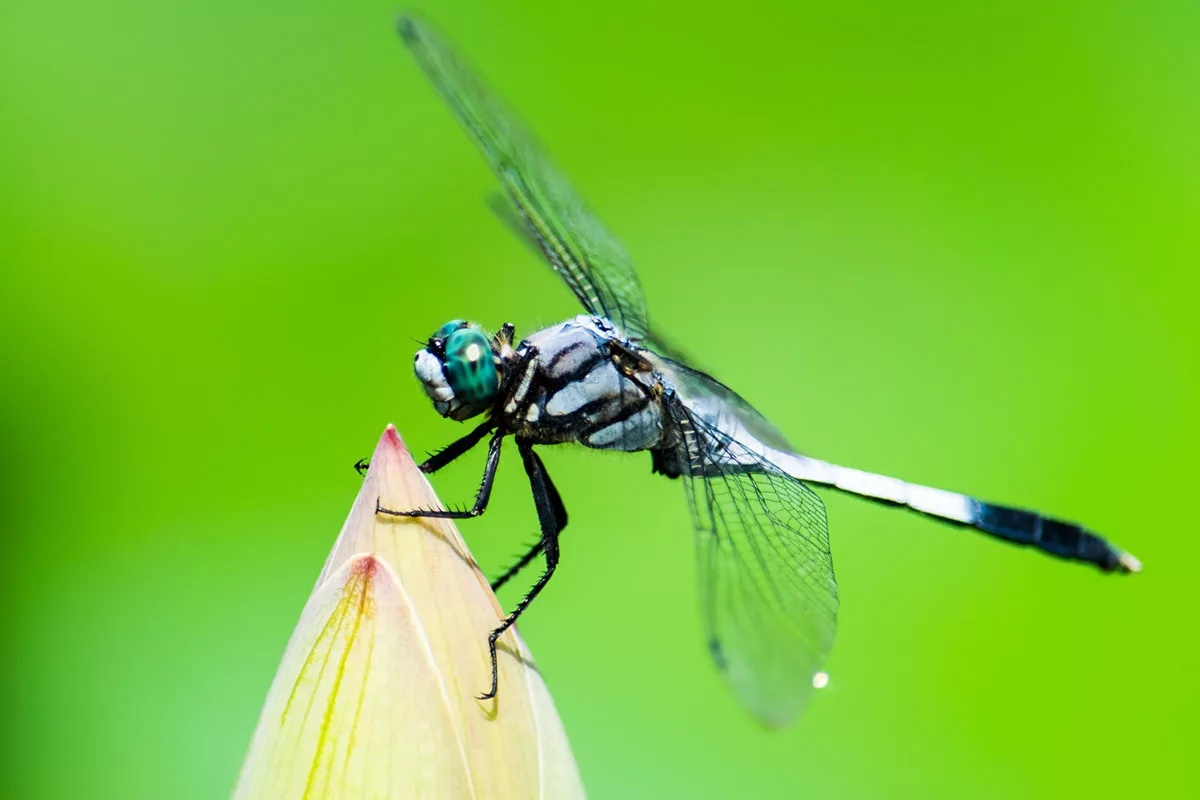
(1064, 539)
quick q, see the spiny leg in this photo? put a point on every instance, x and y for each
(456, 448)
(543, 491)
(560, 521)
(481, 497)
(444, 456)
(509, 573)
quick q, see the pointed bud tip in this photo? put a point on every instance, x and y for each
(390, 449)
(364, 566)
(391, 437)
(390, 649)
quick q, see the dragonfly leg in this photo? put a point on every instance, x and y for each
(560, 521)
(444, 456)
(456, 448)
(485, 487)
(544, 495)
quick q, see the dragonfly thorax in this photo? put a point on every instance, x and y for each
(459, 370)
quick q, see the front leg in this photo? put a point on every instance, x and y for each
(456, 448)
(481, 497)
(444, 456)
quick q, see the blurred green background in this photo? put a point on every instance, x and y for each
(953, 241)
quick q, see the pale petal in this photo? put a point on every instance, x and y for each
(376, 693)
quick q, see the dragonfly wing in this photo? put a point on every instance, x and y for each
(703, 389)
(591, 262)
(768, 592)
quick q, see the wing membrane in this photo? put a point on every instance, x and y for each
(768, 591)
(700, 387)
(591, 262)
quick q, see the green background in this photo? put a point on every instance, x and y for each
(952, 241)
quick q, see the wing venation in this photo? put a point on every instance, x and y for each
(587, 257)
(768, 591)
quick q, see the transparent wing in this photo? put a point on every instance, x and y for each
(768, 591)
(578, 247)
(700, 387)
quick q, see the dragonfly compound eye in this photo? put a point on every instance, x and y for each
(449, 328)
(457, 370)
(470, 371)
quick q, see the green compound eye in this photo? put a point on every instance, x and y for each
(469, 368)
(449, 328)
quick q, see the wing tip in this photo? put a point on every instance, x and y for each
(408, 26)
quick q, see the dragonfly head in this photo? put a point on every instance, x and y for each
(459, 370)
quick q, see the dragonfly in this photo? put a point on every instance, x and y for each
(606, 380)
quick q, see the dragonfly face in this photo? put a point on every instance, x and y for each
(459, 371)
(606, 381)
